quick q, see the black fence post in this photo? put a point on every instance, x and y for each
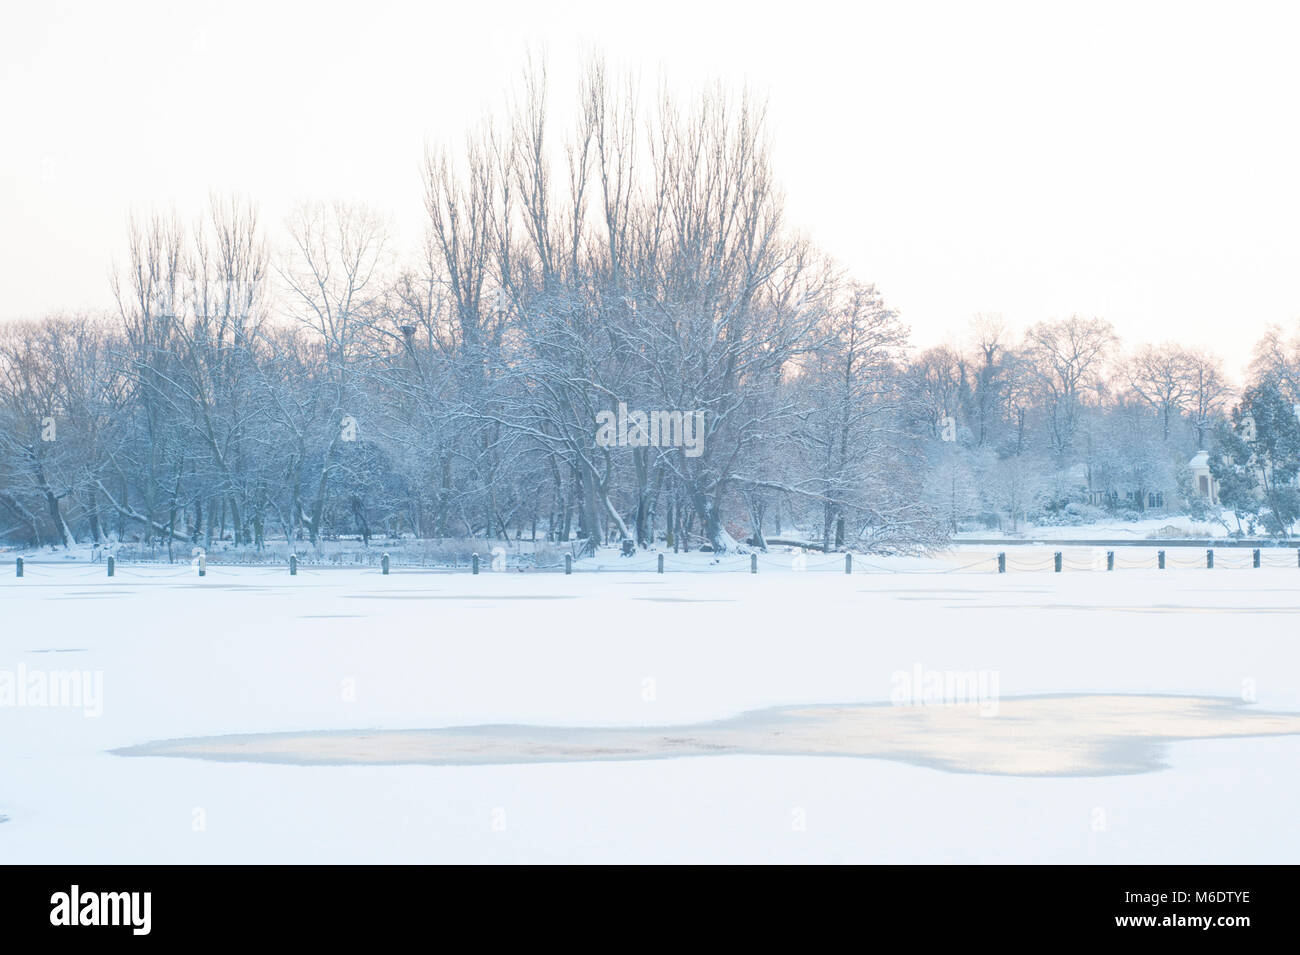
(1110, 560)
(1254, 557)
(1002, 562)
(111, 564)
(661, 563)
(1160, 559)
(18, 566)
(568, 563)
(753, 563)
(473, 563)
(293, 565)
(1209, 559)
(1057, 560)
(383, 564)
(848, 563)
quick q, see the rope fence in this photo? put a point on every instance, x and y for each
(1093, 560)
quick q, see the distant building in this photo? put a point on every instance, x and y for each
(1117, 493)
(1129, 497)
(1203, 483)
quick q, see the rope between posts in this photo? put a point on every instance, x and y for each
(643, 565)
(1017, 565)
(157, 576)
(950, 570)
(978, 563)
(774, 561)
(730, 564)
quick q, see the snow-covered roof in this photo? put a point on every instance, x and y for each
(1201, 459)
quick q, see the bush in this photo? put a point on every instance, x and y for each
(1066, 514)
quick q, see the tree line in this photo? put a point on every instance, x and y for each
(640, 258)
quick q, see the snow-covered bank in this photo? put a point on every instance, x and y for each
(1171, 526)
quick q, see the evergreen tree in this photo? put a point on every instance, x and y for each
(1259, 457)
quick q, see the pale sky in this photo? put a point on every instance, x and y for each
(1136, 161)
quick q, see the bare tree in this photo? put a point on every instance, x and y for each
(1159, 376)
(333, 278)
(1064, 359)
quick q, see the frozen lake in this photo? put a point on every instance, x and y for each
(572, 687)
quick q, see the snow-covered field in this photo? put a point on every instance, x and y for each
(253, 651)
(1175, 525)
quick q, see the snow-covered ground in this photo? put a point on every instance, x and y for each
(1178, 525)
(251, 651)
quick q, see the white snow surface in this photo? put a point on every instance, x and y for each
(255, 650)
(1173, 525)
